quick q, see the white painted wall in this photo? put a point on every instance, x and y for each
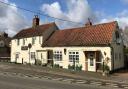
(24, 54)
(65, 58)
(118, 49)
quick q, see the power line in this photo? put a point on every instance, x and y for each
(39, 13)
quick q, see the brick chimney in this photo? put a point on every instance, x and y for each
(89, 23)
(36, 21)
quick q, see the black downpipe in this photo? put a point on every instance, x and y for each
(112, 54)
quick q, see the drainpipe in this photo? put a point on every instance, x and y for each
(112, 55)
(29, 55)
(74, 65)
(103, 66)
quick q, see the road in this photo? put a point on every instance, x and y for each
(16, 82)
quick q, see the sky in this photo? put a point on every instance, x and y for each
(13, 19)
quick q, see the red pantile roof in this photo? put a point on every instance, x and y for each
(30, 32)
(100, 34)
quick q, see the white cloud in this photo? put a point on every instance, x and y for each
(80, 11)
(124, 1)
(121, 17)
(53, 10)
(11, 20)
(77, 11)
(123, 13)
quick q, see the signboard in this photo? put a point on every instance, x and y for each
(24, 47)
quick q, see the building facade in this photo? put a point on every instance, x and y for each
(25, 44)
(90, 46)
(4, 47)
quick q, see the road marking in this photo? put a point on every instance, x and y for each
(81, 82)
(107, 83)
(126, 87)
(35, 77)
(25, 76)
(99, 83)
(67, 80)
(57, 79)
(47, 77)
(115, 86)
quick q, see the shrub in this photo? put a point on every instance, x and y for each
(70, 67)
(106, 68)
(56, 66)
(77, 67)
(38, 62)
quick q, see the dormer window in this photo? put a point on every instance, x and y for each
(117, 35)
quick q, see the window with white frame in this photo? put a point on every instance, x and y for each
(73, 56)
(57, 55)
(33, 55)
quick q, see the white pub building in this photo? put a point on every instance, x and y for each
(89, 46)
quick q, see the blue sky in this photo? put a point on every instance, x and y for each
(109, 7)
(98, 11)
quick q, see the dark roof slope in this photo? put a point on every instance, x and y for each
(100, 34)
(30, 32)
(6, 40)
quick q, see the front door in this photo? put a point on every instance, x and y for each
(42, 56)
(91, 62)
(16, 57)
(50, 57)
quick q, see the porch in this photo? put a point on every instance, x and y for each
(46, 56)
(93, 61)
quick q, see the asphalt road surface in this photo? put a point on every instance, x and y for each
(15, 82)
